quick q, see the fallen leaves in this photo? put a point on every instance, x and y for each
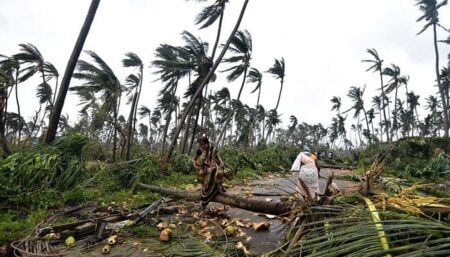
(261, 226)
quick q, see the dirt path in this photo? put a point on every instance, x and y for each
(265, 241)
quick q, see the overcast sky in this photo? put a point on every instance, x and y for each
(322, 42)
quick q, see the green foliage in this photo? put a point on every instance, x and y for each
(148, 169)
(28, 175)
(236, 159)
(440, 166)
(17, 224)
(272, 159)
(182, 164)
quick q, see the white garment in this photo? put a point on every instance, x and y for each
(307, 172)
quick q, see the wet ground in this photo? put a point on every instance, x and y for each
(268, 189)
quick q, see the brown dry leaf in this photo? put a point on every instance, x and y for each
(240, 233)
(261, 226)
(208, 235)
(240, 245)
(271, 176)
(203, 223)
(239, 223)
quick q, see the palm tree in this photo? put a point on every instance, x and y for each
(413, 101)
(254, 76)
(167, 103)
(205, 81)
(98, 77)
(64, 87)
(273, 119)
(208, 16)
(294, 122)
(394, 83)
(356, 95)
(144, 111)
(11, 69)
(134, 82)
(377, 66)
(278, 70)
(433, 105)
(336, 101)
(5, 82)
(241, 46)
(430, 15)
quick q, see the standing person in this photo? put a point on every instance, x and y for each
(210, 170)
(306, 164)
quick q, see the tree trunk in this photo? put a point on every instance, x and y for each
(54, 118)
(279, 95)
(441, 89)
(18, 107)
(3, 142)
(383, 106)
(194, 131)
(114, 134)
(206, 80)
(130, 126)
(275, 208)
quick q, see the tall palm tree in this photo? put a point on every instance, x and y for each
(11, 69)
(99, 78)
(5, 82)
(413, 102)
(377, 66)
(430, 14)
(241, 46)
(278, 70)
(64, 87)
(134, 82)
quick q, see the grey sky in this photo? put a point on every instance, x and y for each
(323, 43)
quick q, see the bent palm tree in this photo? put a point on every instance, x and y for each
(241, 45)
(64, 88)
(205, 81)
(377, 66)
(98, 77)
(278, 70)
(430, 14)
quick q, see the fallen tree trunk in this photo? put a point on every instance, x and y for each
(275, 208)
(336, 167)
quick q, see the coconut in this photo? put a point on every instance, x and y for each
(165, 235)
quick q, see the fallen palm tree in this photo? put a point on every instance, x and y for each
(275, 208)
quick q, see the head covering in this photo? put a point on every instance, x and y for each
(306, 149)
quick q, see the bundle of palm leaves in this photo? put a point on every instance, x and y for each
(346, 230)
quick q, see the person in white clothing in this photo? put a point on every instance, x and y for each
(306, 164)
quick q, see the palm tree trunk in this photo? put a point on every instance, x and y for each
(279, 95)
(57, 109)
(194, 132)
(3, 142)
(383, 106)
(441, 89)
(219, 30)
(206, 79)
(131, 126)
(114, 134)
(18, 107)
